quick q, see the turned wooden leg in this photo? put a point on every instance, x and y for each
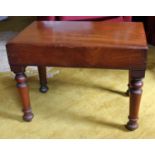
(43, 80)
(135, 97)
(128, 90)
(24, 93)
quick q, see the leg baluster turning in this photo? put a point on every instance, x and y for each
(43, 80)
(135, 96)
(24, 93)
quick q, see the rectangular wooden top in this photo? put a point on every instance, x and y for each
(128, 35)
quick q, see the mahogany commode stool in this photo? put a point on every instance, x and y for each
(80, 44)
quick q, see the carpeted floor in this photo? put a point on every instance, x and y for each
(81, 103)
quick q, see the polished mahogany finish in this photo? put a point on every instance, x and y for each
(84, 44)
(80, 44)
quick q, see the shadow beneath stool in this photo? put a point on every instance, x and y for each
(106, 123)
(8, 115)
(79, 118)
(122, 93)
(60, 82)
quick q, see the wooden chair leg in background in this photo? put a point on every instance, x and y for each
(43, 79)
(135, 97)
(24, 92)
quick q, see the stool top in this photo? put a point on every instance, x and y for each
(83, 34)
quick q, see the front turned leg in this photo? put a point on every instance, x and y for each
(24, 93)
(135, 97)
(43, 80)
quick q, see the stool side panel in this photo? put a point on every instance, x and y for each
(77, 57)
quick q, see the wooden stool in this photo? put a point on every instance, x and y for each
(80, 44)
